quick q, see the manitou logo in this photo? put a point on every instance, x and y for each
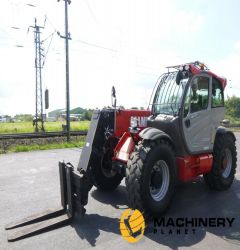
(141, 121)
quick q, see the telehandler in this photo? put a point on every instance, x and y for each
(178, 139)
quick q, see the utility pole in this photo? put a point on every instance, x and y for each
(67, 37)
(38, 122)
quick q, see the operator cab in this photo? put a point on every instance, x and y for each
(188, 105)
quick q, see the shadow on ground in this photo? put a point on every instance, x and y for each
(191, 200)
(116, 198)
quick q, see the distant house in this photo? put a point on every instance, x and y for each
(60, 114)
(51, 119)
(73, 117)
(55, 114)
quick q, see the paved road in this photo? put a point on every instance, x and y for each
(29, 184)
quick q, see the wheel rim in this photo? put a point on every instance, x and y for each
(227, 163)
(159, 191)
(106, 165)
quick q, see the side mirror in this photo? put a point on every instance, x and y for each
(179, 77)
(113, 97)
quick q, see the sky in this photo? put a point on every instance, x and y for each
(125, 43)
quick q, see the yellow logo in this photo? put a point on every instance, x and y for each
(132, 225)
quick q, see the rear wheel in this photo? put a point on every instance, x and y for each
(105, 179)
(151, 177)
(224, 163)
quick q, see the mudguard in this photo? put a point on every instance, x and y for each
(223, 130)
(154, 134)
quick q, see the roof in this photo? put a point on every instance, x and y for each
(197, 68)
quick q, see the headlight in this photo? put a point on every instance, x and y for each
(181, 68)
(133, 122)
(187, 67)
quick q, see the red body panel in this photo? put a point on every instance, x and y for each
(127, 141)
(192, 166)
(124, 148)
(195, 70)
(123, 117)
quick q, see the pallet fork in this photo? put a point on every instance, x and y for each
(74, 196)
(74, 187)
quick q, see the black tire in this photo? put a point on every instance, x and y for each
(140, 177)
(103, 178)
(224, 163)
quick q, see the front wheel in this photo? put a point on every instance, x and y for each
(104, 178)
(224, 163)
(151, 177)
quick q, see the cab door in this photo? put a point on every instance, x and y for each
(217, 105)
(196, 115)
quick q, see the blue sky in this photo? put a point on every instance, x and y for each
(126, 43)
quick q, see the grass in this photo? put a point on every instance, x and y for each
(27, 148)
(26, 145)
(233, 120)
(40, 144)
(27, 127)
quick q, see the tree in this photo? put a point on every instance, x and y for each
(23, 117)
(87, 114)
(232, 105)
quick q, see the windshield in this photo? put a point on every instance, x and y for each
(169, 94)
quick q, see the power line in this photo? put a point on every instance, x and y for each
(50, 22)
(48, 49)
(48, 37)
(96, 46)
(91, 11)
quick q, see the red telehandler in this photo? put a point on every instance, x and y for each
(179, 139)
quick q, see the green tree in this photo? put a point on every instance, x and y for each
(87, 114)
(232, 105)
(23, 117)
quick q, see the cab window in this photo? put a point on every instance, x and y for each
(217, 94)
(197, 96)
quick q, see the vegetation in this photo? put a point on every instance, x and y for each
(232, 105)
(32, 147)
(77, 110)
(27, 127)
(23, 117)
(87, 114)
(23, 145)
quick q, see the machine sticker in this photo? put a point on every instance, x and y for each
(141, 120)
